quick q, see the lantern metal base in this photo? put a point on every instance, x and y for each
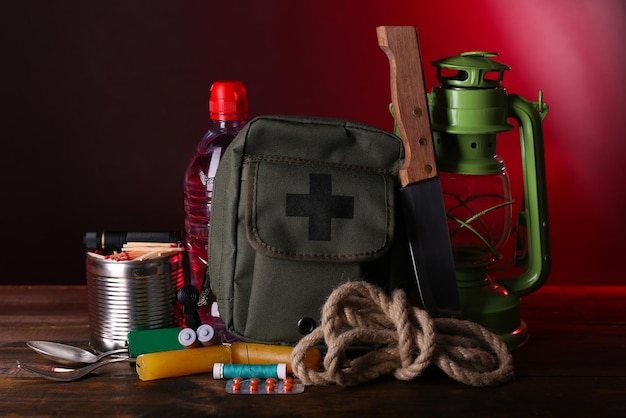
(491, 305)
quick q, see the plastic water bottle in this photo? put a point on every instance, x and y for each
(228, 110)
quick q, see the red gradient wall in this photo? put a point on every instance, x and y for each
(105, 102)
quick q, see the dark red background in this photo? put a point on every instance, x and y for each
(103, 103)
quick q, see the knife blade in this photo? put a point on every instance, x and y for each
(425, 215)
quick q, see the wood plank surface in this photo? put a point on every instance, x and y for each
(573, 365)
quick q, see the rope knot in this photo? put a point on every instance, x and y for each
(403, 340)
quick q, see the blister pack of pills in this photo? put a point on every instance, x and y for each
(269, 386)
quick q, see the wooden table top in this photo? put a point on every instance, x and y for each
(573, 365)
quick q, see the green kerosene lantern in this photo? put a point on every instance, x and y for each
(467, 111)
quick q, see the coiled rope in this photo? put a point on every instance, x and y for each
(409, 339)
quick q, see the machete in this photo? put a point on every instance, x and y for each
(425, 215)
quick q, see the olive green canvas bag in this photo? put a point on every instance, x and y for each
(300, 206)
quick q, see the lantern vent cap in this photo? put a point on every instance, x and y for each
(473, 69)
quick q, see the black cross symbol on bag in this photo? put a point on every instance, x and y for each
(320, 206)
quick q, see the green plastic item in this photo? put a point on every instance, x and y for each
(153, 341)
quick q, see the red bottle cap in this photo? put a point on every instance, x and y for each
(229, 100)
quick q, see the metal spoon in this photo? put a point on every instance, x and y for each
(70, 375)
(68, 354)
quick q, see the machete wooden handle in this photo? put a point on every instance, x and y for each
(410, 106)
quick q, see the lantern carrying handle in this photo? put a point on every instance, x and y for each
(533, 241)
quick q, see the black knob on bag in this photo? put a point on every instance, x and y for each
(306, 325)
